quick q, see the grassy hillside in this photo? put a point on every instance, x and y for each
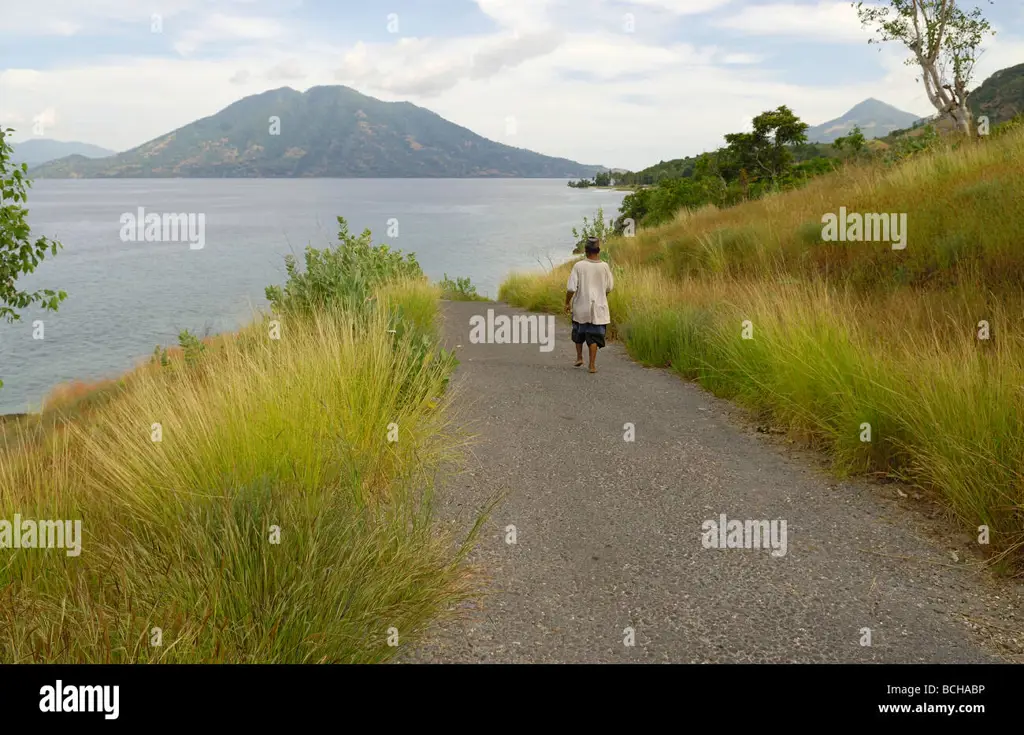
(282, 513)
(325, 131)
(1001, 96)
(925, 345)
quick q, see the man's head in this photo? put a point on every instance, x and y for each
(593, 246)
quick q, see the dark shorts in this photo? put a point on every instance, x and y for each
(592, 334)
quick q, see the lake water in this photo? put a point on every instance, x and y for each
(124, 298)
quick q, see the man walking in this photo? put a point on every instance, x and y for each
(586, 299)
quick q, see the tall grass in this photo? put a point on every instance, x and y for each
(963, 205)
(275, 520)
(852, 334)
(538, 292)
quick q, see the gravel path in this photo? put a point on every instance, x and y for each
(608, 532)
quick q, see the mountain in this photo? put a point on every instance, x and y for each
(875, 118)
(1001, 96)
(36, 151)
(329, 131)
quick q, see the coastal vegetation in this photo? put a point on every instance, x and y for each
(262, 496)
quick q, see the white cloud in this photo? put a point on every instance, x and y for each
(829, 20)
(681, 7)
(219, 27)
(742, 58)
(16, 79)
(75, 17)
(286, 70)
(609, 56)
(47, 117)
(520, 15)
(510, 52)
(429, 66)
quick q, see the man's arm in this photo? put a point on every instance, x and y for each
(611, 279)
(570, 290)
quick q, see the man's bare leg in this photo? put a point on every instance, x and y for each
(579, 355)
(593, 358)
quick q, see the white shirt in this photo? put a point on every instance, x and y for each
(590, 281)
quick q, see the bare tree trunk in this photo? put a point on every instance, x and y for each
(966, 117)
(943, 97)
(963, 119)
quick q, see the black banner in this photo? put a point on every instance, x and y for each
(120, 696)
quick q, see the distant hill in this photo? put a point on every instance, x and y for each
(331, 131)
(876, 119)
(1001, 96)
(36, 151)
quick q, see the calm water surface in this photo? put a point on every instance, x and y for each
(124, 298)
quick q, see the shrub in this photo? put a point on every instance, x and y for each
(341, 277)
(459, 289)
(597, 228)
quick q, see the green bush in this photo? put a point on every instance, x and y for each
(345, 276)
(191, 346)
(598, 228)
(1003, 128)
(459, 289)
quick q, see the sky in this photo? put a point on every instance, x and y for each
(620, 83)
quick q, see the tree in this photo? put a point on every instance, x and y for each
(765, 153)
(944, 41)
(18, 254)
(855, 141)
(635, 206)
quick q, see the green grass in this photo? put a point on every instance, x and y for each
(536, 292)
(260, 436)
